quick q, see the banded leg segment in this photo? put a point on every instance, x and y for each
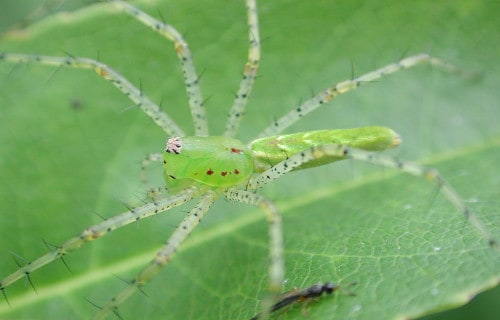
(149, 107)
(249, 73)
(334, 150)
(345, 86)
(191, 81)
(163, 256)
(99, 230)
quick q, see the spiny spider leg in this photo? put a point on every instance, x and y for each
(273, 215)
(119, 81)
(164, 255)
(191, 80)
(276, 258)
(334, 150)
(100, 229)
(345, 86)
(238, 109)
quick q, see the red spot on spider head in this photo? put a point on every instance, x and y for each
(236, 150)
(210, 172)
(223, 173)
(236, 171)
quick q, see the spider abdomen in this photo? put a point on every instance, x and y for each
(271, 150)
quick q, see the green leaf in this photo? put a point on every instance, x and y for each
(71, 151)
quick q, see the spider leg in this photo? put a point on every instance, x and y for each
(119, 81)
(191, 80)
(249, 73)
(334, 150)
(99, 230)
(150, 158)
(146, 162)
(164, 255)
(345, 86)
(277, 261)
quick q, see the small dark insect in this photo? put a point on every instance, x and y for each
(300, 295)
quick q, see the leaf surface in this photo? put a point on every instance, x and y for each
(71, 150)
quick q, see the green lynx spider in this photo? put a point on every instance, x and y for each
(242, 168)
